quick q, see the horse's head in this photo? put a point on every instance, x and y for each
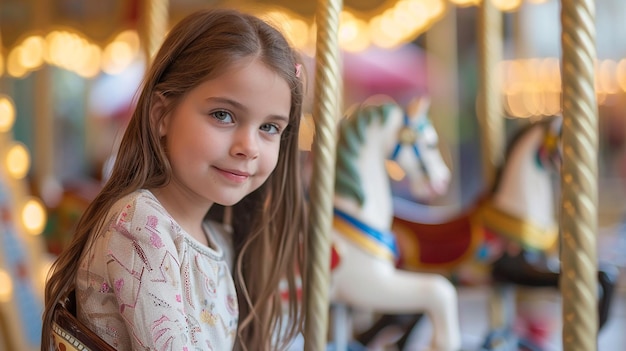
(416, 151)
(549, 153)
(524, 188)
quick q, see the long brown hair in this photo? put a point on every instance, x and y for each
(269, 232)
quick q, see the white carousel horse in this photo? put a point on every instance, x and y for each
(364, 267)
(518, 213)
(519, 210)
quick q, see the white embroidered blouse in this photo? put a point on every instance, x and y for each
(145, 284)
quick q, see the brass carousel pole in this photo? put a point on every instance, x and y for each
(155, 26)
(579, 183)
(490, 117)
(328, 91)
(443, 85)
(47, 185)
(489, 103)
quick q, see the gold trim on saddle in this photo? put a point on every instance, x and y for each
(526, 233)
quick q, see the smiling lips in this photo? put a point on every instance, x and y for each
(234, 175)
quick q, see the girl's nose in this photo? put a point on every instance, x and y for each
(245, 144)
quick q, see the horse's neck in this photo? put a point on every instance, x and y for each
(377, 209)
(526, 190)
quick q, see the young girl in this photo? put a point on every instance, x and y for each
(216, 126)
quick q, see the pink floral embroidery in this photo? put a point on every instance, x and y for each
(178, 299)
(119, 284)
(104, 287)
(152, 221)
(155, 241)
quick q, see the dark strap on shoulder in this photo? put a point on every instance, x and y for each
(65, 318)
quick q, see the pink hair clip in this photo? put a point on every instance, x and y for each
(298, 69)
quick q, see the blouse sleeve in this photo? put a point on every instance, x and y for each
(143, 267)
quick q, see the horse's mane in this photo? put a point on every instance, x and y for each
(351, 136)
(544, 123)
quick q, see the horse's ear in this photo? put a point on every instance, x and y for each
(418, 107)
(556, 124)
(378, 99)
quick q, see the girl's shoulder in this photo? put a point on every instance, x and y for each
(139, 209)
(137, 204)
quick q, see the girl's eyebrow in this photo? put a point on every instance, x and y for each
(227, 101)
(281, 118)
(240, 106)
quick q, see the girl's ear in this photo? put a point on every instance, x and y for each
(158, 113)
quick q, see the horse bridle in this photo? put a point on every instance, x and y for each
(407, 136)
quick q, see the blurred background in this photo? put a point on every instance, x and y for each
(69, 71)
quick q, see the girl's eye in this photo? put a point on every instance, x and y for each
(271, 128)
(222, 116)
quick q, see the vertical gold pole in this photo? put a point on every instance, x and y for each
(489, 103)
(442, 64)
(47, 186)
(490, 117)
(156, 22)
(579, 177)
(328, 90)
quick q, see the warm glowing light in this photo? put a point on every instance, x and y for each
(411, 16)
(378, 36)
(532, 87)
(52, 41)
(396, 25)
(385, 33)
(90, 66)
(7, 114)
(550, 68)
(130, 37)
(507, 5)
(512, 75)
(15, 67)
(347, 28)
(31, 55)
(6, 286)
(18, 161)
(608, 77)
(353, 33)
(437, 8)
(463, 3)
(298, 32)
(552, 103)
(72, 52)
(516, 106)
(621, 74)
(33, 216)
(116, 57)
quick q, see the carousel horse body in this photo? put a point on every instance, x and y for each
(364, 273)
(518, 213)
(519, 209)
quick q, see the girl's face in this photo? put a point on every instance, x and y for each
(223, 139)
